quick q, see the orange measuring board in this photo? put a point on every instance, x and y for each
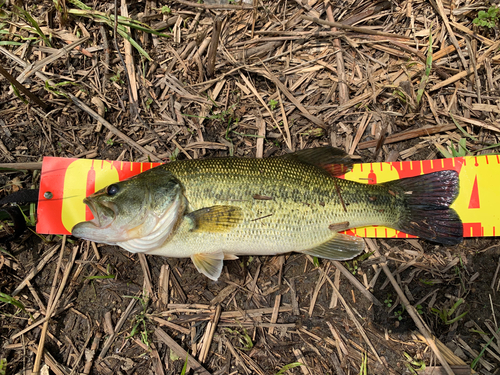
(66, 182)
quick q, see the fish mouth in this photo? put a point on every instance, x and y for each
(104, 214)
(97, 229)
(96, 220)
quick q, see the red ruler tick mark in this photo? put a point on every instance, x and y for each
(474, 197)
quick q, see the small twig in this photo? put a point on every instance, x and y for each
(337, 189)
(355, 282)
(41, 321)
(343, 88)
(214, 43)
(178, 288)
(277, 300)
(215, 6)
(408, 135)
(163, 287)
(493, 280)
(301, 359)
(105, 46)
(128, 63)
(261, 125)
(54, 366)
(293, 297)
(493, 127)
(177, 349)
(361, 130)
(118, 327)
(147, 275)
(84, 348)
(133, 102)
(170, 325)
(21, 166)
(262, 217)
(367, 12)
(357, 29)
(334, 299)
(288, 138)
(336, 363)
(93, 348)
(29, 69)
(156, 356)
(213, 326)
(239, 360)
(319, 284)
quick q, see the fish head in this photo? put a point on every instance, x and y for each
(148, 204)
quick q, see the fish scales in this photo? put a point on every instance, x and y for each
(305, 202)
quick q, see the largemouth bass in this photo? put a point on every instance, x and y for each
(216, 209)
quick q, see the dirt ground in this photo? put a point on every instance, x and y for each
(248, 80)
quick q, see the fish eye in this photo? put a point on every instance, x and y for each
(112, 189)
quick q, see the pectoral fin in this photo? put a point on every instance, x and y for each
(216, 218)
(340, 247)
(209, 264)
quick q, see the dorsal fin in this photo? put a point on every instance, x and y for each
(333, 160)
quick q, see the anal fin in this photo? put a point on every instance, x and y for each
(209, 264)
(340, 247)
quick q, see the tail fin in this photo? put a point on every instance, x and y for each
(427, 199)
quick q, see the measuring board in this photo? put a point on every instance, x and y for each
(66, 182)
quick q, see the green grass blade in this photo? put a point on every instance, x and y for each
(456, 319)
(3, 366)
(109, 19)
(443, 151)
(18, 94)
(476, 360)
(489, 147)
(11, 300)
(99, 277)
(101, 17)
(288, 367)
(134, 44)
(364, 365)
(145, 29)
(10, 43)
(79, 4)
(461, 128)
(184, 368)
(33, 23)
